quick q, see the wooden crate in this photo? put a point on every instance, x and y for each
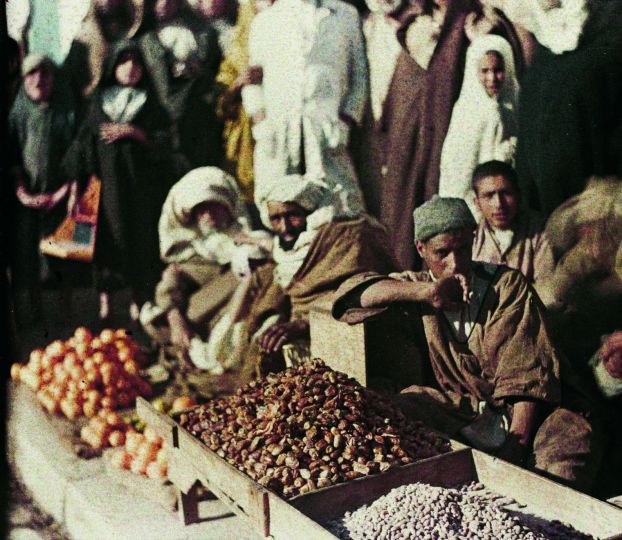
(191, 463)
(542, 497)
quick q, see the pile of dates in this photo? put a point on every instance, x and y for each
(310, 427)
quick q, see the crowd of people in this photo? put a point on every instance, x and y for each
(450, 166)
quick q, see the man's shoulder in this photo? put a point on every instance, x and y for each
(354, 226)
(500, 276)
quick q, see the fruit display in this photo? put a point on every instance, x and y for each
(310, 427)
(85, 374)
(143, 454)
(107, 428)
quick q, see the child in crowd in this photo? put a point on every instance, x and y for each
(125, 141)
(508, 234)
(483, 124)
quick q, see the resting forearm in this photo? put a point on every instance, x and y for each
(524, 418)
(390, 291)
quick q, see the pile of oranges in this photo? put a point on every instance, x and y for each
(106, 428)
(142, 454)
(85, 374)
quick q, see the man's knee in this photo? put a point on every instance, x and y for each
(568, 448)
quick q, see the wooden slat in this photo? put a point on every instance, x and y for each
(340, 345)
(549, 499)
(239, 492)
(332, 502)
(286, 522)
(164, 425)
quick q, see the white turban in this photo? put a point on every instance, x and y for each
(292, 189)
(176, 230)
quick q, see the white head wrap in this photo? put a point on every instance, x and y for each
(558, 26)
(292, 189)
(176, 230)
(473, 93)
(482, 127)
(314, 195)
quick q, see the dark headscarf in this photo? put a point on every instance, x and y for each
(42, 134)
(110, 63)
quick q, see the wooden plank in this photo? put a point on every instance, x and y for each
(334, 501)
(287, 522)
(548, 499)
(340, 345)
(238, 491)
(164, 425)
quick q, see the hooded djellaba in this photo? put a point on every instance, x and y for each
(39, 135)
(136, 174)
(182, 55)
(106, 22)
(483, 127)
(417, 110)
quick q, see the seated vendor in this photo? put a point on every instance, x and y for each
(317, 247)
(507, 233)
(201, 219)
(490, 372)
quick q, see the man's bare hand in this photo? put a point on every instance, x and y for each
(611, 354)
(111, 132)
(449, 293)
(251, 75)
(407, 275)
(277, 335)
(513, 450)
(41, 201)
(181, 334)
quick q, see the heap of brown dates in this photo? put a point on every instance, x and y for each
(310, 427)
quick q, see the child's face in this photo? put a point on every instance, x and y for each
(39, 84)
(129, 70)
(491, 73)
(211, 216)
(497, 199)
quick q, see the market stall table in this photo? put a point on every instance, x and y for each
(82, 495)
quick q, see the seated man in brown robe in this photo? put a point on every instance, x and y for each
(507, 233)
(317, 247)
(490, 373)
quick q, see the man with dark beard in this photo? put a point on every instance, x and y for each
(317, 247)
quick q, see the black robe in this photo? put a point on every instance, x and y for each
(135, 181)
(38, 140)
(570, 115)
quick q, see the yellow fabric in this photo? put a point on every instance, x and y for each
(237, 135)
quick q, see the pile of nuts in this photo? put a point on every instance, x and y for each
(420, 511)
(310, 427)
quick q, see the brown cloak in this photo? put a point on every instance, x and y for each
(415, 120)
(508, 357)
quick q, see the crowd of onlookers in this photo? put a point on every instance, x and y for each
(211, 122)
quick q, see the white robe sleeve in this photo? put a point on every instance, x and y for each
(460, 156)
(218, 248)
(253, 97)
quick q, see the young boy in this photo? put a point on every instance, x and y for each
(508, 234)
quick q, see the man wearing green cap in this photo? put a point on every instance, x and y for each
(488, 371)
